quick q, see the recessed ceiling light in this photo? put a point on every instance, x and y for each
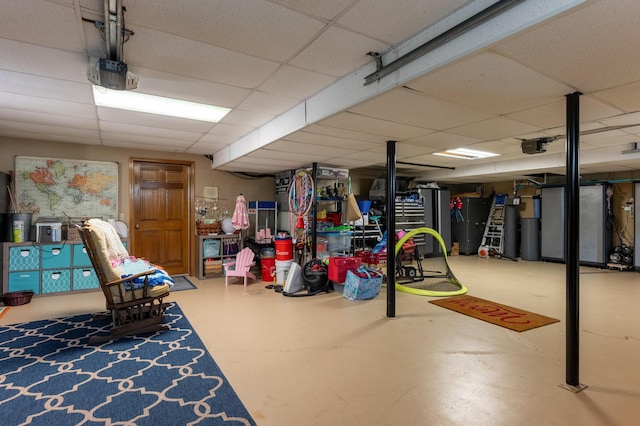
(141, 102)
(465, 154)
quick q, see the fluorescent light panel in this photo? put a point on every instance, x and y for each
(141, 102)
(465, 154)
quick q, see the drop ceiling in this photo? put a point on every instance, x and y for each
(293, 72)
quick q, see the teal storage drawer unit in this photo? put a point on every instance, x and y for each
(47, 268)
(24, 258)
(80, 256)
(85, 279)
(56, 256)
(27, 280)
(56, 281)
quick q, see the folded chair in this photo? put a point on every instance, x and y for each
(240, 267)
(135, 301)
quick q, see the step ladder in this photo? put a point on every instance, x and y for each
(493, 237)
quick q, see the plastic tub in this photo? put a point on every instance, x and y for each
(338, 241)
(268, 268)
(282, 270)
(284, 248)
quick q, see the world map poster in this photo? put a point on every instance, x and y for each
(53, 187)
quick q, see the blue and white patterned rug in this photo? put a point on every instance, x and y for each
(50, 375)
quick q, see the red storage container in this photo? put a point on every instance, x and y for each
(339, 265)
(370, 258)
(284, 248)
(268, 265)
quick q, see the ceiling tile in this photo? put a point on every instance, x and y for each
(230, 130)
(349, 163)
(299, 147)
(176, 55)
(152, 120)
(48, 129)
(118, 139)
(36, 20)
(249, 162)
(131, 129)
(42, 105)
(494, 128)
(568, 49)
(267, 30)
(308, 157)
(296, 83)
(205, 147)
(337, 52)
(268, 103)
(491, 83)
(442, 140)
(217, 140)
(369, 157)
(45, 87)
(359, 123)
(246, 118)
(394, 21)
(329, 141)
(189, 89)
(625, 97)
(84, 139)
(326, 9)
(406, 106)
(405, 150)
(320, 129)
(36, 60)
(47, 119)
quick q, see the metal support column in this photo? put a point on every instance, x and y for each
(314, 209)
(572, 240)
(391, 226)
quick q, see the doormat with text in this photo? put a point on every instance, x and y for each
(495, 313)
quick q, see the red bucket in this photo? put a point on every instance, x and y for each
(284, 248)
(268, 265)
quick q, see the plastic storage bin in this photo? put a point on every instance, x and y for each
(338, 241)
(211, 247)
(340, 265)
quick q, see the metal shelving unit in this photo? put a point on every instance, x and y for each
(410, 215)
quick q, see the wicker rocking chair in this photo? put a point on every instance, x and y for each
(135, 307)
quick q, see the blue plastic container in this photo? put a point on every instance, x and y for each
(364, 206)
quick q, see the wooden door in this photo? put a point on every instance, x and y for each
(161, 212)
